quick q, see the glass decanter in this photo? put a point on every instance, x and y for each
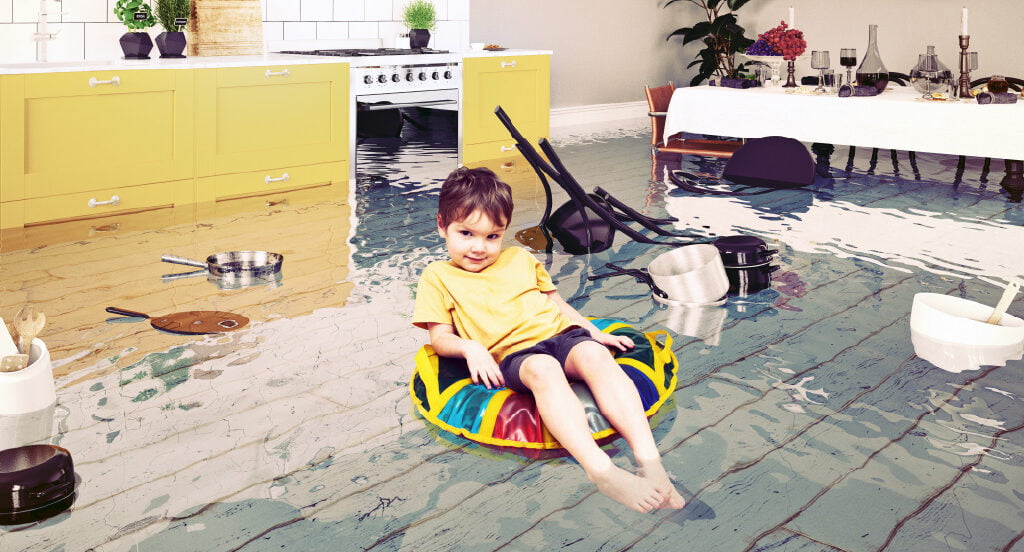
(872, 71)
(931, 76)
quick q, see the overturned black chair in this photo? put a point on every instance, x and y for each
(588, 221)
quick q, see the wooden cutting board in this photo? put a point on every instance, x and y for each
(225, 28)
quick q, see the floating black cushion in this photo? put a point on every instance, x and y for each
(771, 162)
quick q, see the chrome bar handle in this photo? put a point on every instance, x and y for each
(114, 200)
(93, 83)
(283, 178)
(508, 148)
(283, 73)
(505, 64)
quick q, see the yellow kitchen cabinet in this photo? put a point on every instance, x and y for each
(273, 182)
(260, 118)
(521, 85)
(70, 142)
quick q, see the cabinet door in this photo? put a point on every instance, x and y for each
(520, 85)
(78, 131)
(255, 118)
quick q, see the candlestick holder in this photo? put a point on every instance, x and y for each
(790, 74)
(964, 90)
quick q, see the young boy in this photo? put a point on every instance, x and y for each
(500, 311)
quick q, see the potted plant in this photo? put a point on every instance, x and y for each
(173, 16)
(721, 35)
(136, 15)
(420, 18)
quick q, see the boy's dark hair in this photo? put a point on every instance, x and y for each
(467, 190)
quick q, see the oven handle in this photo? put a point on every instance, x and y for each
(425, 103)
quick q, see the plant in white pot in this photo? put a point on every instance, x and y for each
(136, 15)
(420, 17)
(173, 16)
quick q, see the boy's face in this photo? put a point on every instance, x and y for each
(473, 243)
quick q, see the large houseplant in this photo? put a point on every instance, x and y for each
(173, 16)
(136, 15)
(721, 35)
(420, 17)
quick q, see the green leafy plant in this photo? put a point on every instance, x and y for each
(169, 10)
(125, 11)
(420, 14)
(721, 35)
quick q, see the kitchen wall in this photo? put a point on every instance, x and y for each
(89, 30)
(605, 50)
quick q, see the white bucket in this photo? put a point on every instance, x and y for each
(952, 334)
(31, 388)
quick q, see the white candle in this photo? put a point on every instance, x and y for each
(792, 18)
(963, 21)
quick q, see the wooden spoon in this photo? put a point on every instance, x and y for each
(1004, 302)
(28, 323)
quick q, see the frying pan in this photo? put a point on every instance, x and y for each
(190, 323)
(258, 264)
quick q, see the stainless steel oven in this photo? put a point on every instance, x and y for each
(387, 78)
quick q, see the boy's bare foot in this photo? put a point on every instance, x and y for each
(638, 493)
(654, 472)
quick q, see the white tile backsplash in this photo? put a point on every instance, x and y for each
(89, 29)
(317, 10)
(6, 10)
(85, 11)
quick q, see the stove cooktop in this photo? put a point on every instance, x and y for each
(359, 52)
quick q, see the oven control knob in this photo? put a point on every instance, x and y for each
(368, 79)
(409, 77)
(447, 74)
(435, 76)
(423, 76)
(395, 78)
(382, 79)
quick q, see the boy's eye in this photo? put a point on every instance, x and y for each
(465, 232)
(493, 236)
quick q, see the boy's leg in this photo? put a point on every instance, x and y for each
(565, 418)
(620, 404)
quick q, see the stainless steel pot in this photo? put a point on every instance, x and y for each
(688, 275)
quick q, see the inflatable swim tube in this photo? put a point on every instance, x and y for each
(443, 393)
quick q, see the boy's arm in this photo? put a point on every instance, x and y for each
(482, 368)
(620, 342)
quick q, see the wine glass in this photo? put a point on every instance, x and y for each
(820, 61)
(848, 59)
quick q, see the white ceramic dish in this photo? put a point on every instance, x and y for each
(952, 334)
(31, 388)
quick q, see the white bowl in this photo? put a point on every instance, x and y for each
(952, 334)
(31, 388)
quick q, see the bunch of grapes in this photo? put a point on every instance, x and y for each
(789, 43)
(761, 48)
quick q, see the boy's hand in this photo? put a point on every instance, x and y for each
(482, 368)
(619, 342)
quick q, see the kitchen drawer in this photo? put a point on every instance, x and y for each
(259, 183)
(276, 201)
(94, 83)
(132, 198)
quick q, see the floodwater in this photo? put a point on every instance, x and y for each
(802, 418)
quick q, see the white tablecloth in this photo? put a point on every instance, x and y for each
(896, 119)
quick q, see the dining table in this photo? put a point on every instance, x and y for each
(899, 118)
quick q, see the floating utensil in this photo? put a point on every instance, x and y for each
(1004, 302)
(190, 323)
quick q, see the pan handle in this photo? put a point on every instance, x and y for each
(641, 276)
(182, 260)
(126, 312)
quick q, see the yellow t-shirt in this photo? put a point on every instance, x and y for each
(502, 307)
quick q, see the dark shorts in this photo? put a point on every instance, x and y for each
(557, 346)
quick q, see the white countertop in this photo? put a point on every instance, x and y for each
(205, 62)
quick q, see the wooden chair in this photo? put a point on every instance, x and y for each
(657, 103)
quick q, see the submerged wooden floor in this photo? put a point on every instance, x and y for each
(802, 420)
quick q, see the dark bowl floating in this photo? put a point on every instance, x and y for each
(742, 251)
(36, 482)
(136, 45)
